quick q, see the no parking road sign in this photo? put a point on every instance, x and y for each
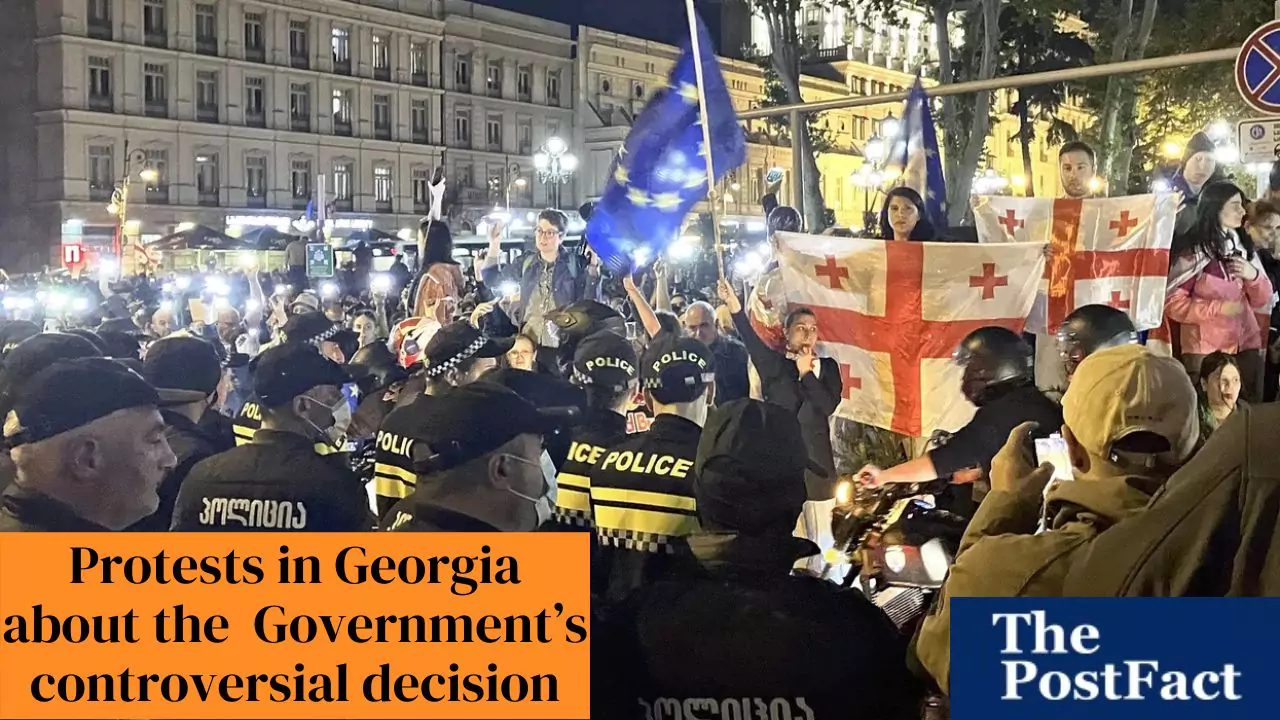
(1258, 69)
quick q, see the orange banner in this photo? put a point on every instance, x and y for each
(308, 625)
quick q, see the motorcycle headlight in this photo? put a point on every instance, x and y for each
(936, 559)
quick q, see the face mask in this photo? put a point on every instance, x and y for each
(336, 433)
(544, 504)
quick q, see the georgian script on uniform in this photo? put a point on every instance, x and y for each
(255, 513)
(744, 708)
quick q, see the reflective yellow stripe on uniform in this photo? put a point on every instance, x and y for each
(390, 481)
(640, 519)
(573, 492)
(244, 435)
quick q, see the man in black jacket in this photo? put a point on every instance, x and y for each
(278, 482)
(737, 631)
(479, 460)
(185, 372)
(89, 446)
(730, 355)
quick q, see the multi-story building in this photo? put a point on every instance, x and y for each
(238, 107)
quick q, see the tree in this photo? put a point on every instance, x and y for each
(1032, 42)
(1116, 124)
(818, 136)
(786, 53)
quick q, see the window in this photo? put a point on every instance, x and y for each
(255, 180)
(102, 173)
(382, 117)
(207, 95)
(462, 127)
(254, 49)
(99, 13)
(462, 73)
(553, 88)
(524, 84)
(606, 87)
(637, 90)
(300, 106)
(155, 90)
(342, 192)
(158, 190)
(382, 188)
(207, 179)
(421, 195)
(254, 110)
(418, 63)
(464, 175)
(493, 81)
(155, 31)
(100, 84)
(300, 181)
(418, 118)
(553, 128)
(299, 49)
(341, 44)
(493, 132)
(525, 136)
(381, 57)
(342, 112)
(206, 29)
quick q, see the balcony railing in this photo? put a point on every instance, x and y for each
(342, 127)
(420, 208)
(419, 79)
(207, 45)
(382, 206)
(420, 136)
(156, 108)
(255, 54)
(100, 192)
(156, 39)
(100, 103)
(255, 119)
(207, 113)
(255, 201)
(299, 62)
(382, 132)
(156, 195)
(300, 202)
(208, 199)
(342, 67)
(343, 204)
(299, 124)
(382, 73)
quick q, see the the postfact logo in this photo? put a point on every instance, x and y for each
(1123, 658)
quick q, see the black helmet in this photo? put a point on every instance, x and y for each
(993, 358)
(1092, 328)
(374, 368)
(783, 219)
(577, 320)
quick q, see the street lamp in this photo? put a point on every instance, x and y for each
(554, 164)
(890, 126)
(135, 167)
(1219, 130)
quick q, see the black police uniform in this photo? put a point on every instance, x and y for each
(275, 483)
(249, 421)
(393, 474)
(642, 502)
(25, 510)
(602, 430)
(190, 443)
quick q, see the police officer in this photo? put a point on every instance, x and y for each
(605, 365)
(1091, 328)
(479, 456)
(278, 482)
(741, 631)
(186, 372)
(642, 489)
(999, 378)
(89, 446)
(310, 329)
(456, 355)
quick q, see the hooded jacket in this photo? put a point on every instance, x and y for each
(1001, 556)
(1213, 531)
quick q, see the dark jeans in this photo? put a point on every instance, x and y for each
(1252, 366)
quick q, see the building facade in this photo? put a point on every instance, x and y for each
(239, 106)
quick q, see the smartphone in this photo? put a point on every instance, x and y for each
(1053, 450)
(633, 330)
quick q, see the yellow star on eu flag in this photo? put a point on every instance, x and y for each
(695, 179)
(667, 201)
(702, 149)
(689, 92)
(638, 197)
(621, 175)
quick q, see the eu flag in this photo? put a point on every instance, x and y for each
(660, 172)
(916, 152)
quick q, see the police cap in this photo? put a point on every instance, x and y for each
(284, 372)
(676, 369)
(182, 368)
(471, 421)
(457, 342)
(605, 359)
(73, 393)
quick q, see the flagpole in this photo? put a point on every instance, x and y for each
(712, 195)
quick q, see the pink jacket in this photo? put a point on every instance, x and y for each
(1197, 305)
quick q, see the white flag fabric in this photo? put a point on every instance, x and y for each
(1107, 251)
(892, 314)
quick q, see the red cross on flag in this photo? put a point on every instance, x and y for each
(1108, 251)
(892, 313)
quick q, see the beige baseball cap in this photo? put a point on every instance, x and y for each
(1122, 390)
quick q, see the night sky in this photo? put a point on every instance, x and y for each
(659, 20)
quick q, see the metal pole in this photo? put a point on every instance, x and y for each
(706, 134)
(1127, 67)
(797, 161)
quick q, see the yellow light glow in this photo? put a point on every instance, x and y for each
(131, 227)
(1172, 150)
(1095, 184)
(1019, 181)
(149, 175)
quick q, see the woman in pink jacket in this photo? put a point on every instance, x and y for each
(1217, 290)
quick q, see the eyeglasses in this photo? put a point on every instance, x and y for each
(547, 232)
